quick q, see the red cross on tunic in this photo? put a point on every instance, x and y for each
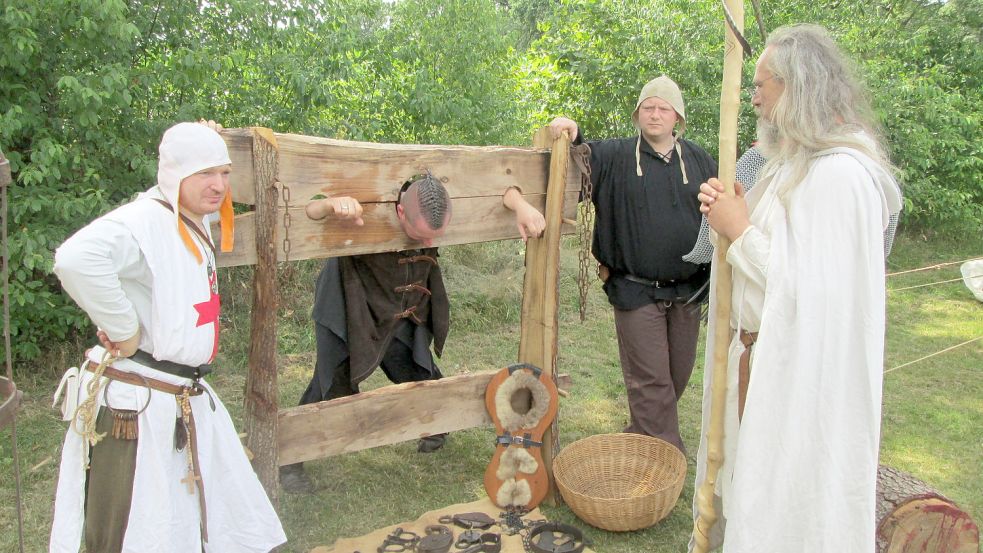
(208, 312)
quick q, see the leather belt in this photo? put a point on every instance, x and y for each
(139, 380)
(652, 283)
(744, 370)
(170, 367)
(416, 259)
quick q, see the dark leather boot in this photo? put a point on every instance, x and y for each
(294, 479)
(430, 444)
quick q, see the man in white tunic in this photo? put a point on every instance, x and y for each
(152, 462)
(802, 418)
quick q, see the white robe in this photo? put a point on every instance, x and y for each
(799, 471)
(110, 268)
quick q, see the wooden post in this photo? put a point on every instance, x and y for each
(261, 388)
(730, 104)
(540, 291)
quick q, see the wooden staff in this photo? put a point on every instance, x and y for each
(730, 104)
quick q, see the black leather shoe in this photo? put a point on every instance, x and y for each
(431, 443)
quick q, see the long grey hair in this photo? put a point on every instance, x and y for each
(824, 104)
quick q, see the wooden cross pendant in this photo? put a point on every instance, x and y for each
(190, 480)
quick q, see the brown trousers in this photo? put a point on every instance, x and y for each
(657, 345)
(108, 488)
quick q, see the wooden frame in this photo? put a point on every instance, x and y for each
(280, 173)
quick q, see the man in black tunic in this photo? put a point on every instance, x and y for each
(384, 310)
(644, 192)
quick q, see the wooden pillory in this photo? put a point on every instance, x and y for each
(279, 174)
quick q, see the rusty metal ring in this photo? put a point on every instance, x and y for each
(146, 384)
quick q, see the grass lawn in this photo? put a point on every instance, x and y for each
(932, 415)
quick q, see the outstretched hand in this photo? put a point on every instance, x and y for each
(345, 208)
(528, 219)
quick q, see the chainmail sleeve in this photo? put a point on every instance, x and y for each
(748, 168)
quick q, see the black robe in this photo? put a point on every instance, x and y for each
(364, 299)
(645, 224)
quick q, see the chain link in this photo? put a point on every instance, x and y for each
(287, 221)
(588, 267)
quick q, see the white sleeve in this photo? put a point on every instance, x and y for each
(749, 255)
(90, 265)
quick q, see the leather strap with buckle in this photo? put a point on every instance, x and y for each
(508, 439)
(144, 381)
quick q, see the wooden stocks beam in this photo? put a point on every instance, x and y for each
(261, 387)
(540, 292)
(730, 104)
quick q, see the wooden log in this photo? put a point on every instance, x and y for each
(475, 219)
(261, 386)
(372, 172)
(540, 291)
(914, 518)
(384, 416)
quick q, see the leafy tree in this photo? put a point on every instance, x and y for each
(89, 85)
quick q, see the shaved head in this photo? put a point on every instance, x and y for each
(424, 209)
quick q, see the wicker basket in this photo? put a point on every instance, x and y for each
(620, 482)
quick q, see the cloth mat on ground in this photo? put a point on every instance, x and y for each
(371, 541)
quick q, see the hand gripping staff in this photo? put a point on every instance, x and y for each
(730, 103)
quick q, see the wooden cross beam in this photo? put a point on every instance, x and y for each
(384, 416)
(476, 177)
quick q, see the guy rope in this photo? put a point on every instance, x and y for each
(730, 105)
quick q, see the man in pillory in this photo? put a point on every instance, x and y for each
(386, 310)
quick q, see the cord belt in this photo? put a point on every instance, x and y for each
(744, 370)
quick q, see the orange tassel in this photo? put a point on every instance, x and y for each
(227, 220)
(188, 242)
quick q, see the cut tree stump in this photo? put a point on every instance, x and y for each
(912, 517)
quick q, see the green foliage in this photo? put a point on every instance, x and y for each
(74, 144)
(89, 85)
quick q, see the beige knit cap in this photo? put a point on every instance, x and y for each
(665, 88)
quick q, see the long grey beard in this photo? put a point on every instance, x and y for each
(768, 137)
